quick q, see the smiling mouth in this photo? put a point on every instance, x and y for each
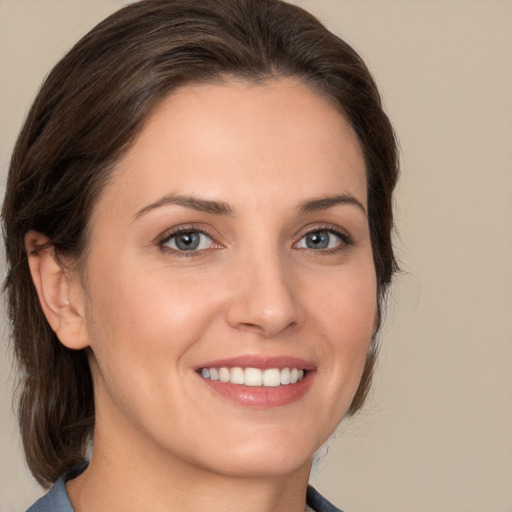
(254, 377)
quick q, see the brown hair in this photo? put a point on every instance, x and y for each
(86, 114)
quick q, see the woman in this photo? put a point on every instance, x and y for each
(197, 223)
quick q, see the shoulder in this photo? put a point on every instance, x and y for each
(318, 503)
(55, 500)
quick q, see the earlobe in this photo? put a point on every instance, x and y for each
(59, 292)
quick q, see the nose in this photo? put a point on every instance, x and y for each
(264, 298)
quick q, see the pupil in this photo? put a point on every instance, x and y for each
(318, 240)
(187, 241)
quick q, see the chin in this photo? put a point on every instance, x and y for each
(267, 456)
(273, 465)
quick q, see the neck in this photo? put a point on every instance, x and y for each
(145, 478)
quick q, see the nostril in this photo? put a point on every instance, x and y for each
(265, 328)
(251, 327)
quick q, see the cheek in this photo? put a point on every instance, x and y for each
(344, 311)
(147, 313)
(141, 329)
(345, 301)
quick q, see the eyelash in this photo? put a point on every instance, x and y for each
(180, 231)
(345, 240)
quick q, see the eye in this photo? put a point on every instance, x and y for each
(322, 239)
(187, 241)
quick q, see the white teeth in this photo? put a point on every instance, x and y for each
(271, 377)
(253, 377)
(237, 376)
(223, 374)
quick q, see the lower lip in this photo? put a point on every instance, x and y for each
(261, 397)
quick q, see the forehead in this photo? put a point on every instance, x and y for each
(236, 139)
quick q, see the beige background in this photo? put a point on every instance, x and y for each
(437, 433)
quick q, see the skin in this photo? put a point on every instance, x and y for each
(149, 315)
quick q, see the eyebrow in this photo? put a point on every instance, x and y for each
(222, 208)
(194, 203)
(323, 203)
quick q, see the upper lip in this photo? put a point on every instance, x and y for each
(260, 361)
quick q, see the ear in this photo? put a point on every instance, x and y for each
(60, 292)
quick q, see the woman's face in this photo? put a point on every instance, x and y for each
(231, 239)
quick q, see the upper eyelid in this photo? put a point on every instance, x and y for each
(173, 233)
(177, 230)
(338, 230)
